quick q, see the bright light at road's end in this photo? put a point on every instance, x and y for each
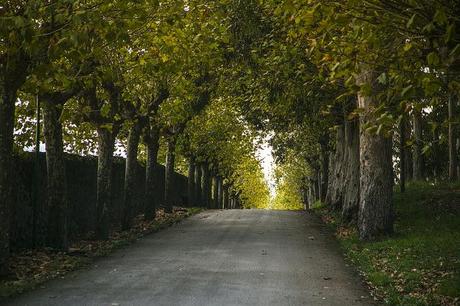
(265, 156)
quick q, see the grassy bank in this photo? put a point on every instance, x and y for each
(31, 268)
(420, 263)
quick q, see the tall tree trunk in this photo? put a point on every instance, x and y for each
(334, 196)
(7, 100)
(408, 151)
(206, 186)
(376, 182)
(311, 194)
(169, 174)
(130, 175)
(198, 196)
(324, 167)
(457, 149)
(351, 168)
(106, 144)
(436, 158)
(152, 138)
(402, 154)
(225, 197)
(14, 68)
(220, 193)
(58, 202)
(239, 203)
(318, 184)
(314, 184)
(191, 182)
(453, 158)
(418, 144)
(215, 191)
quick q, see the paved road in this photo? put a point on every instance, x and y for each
(233, 257)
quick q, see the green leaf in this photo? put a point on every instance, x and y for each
(406, 90)
(407, 46)
(432, 58)
(440, 16)
(411, 21)
(382, 78)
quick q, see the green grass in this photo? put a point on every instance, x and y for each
(420, 263)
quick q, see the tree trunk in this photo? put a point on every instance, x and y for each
(220, 191)
(106, 144)
(58, 202)
(206, 186)
(318, 184)
(169, 174)
(402, 154)
(191, 182)
(198, 186)
(334, 196)
(7, 100)
(436, 158)
(332, 178)
(453, 158)
(408, 151)
(314, 187)
(418, 144)
(324, 167)
(225, 198)
(457, 149)
(151, 183)
(311, 194)
(376, 172)
(215, 192)
(130, 175)
(350, 184)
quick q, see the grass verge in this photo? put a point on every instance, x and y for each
(31, 268)
(420, 263)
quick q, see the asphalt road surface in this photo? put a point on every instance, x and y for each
(232, 257)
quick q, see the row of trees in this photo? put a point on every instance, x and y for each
(360, 95)
(145, 78)
(357, 95)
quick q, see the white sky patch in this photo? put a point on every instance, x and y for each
(265, 156)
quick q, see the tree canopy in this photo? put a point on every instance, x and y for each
(355, 96)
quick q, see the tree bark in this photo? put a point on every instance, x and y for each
(334, 196)
(106, 144)
(457, 149)
(169, 174)
(436, 158)
(14, 68)
(130, 175)
(311, 195)
(58, 202)
(402, 154)
(198, 185)
(324, 166)
(318, 184)
(418, 144)
(220, 191)
(453, 158)
(206, 189)
(151, 183)
(350, 183)
(225, 198)
(314, 187)
(215, 191)
(408, 151)
(191, 182)
(376, 171)
(7, 100)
